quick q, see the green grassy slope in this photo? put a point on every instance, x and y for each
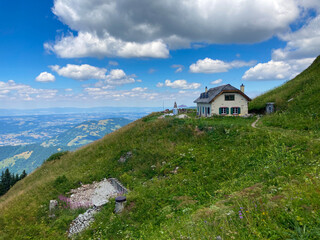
(231, 181)
(297, 101)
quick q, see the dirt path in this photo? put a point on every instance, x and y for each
(255, 122)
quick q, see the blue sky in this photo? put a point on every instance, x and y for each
(92, 53)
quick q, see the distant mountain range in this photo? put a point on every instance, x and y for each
(71, 110)
(29, 157)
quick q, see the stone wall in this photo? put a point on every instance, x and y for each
(118, 186)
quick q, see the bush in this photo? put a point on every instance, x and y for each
(56, 156)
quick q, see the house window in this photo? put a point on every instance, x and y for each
(229, 97)
(203, 110)
(208, 111)
(235, 110)
(223, 110)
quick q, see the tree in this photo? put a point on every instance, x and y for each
(7, 180)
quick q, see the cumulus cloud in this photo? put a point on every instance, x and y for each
(88, 44)
(25, 92)
(45, 77)
(144, 28)
(277, 70)
(209, 65)
(218, 81)
(181, 84)
(139, 89)
(304, 43)
(124, 95)
(118, 77)
(80, 72)
(159, 84)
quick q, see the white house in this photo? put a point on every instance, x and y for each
(223, 100)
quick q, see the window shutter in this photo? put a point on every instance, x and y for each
(220, 111)
(231, 110)
(227, 110)
(239, 110)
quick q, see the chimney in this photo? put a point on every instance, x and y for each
(242, 88)
(206, 89)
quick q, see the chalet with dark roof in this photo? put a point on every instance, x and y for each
(223, 100)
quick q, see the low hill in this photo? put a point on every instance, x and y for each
(297, 101)
(188, 179)
(29, 157)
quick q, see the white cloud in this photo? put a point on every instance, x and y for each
(90, 45)
(113, 63)
(304, 43)
(23, 92)
(159, 85)
(80, 72)
(139, 89)
(151, 70)
(68, 90)
(45, 77)
(118, 77)
(179, 68)
(218, 81)
(181, 84)
(209, 65)
(277, 70)
(144, 28)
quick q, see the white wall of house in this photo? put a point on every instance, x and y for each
(239, 101)
(202, 109)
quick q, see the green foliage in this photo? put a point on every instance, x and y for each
(62, 184)
(7, 180)
(57, 156)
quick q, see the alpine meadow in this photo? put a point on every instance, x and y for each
(191, 178)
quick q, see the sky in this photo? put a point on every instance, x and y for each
(142, 53)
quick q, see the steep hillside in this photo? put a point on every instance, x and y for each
(189, 179)
(297, 101)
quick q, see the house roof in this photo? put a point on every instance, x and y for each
(213, 93)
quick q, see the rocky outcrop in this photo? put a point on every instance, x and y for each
(82, 221)
(92, 195)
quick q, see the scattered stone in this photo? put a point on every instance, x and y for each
(165, 115)
(83, 221)
(125, 157)
(218, 238)
(95, 194)
(181, 116)
(175, 171)
(120, 203)
(52, 207)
